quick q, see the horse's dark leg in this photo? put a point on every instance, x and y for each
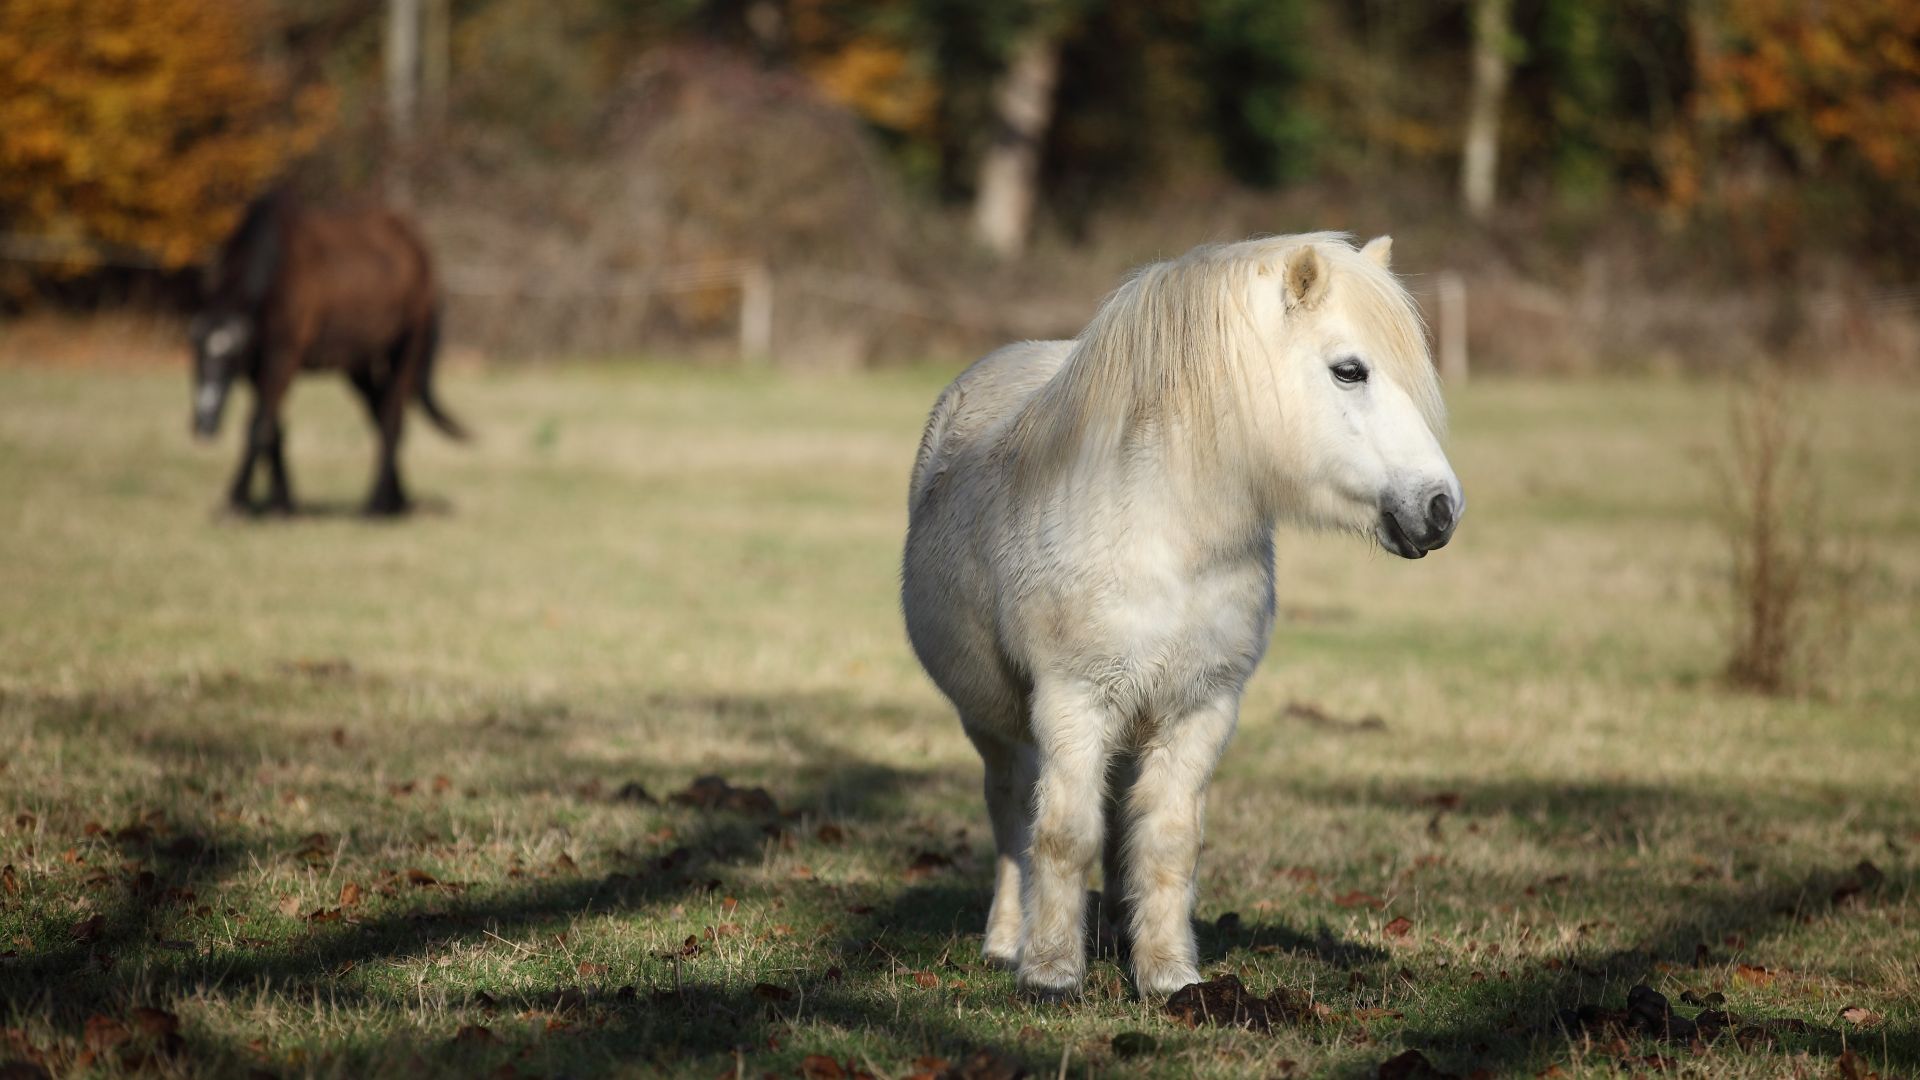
(388, 497)
(279, 492)
(240, 494)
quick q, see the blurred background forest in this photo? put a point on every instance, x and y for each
(1635, 185)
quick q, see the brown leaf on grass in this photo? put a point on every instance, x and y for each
(1356, 898)
(1864, 877)
(770, 992)
(350, 893)
(587, 969)
(987, 1064)
(928, 1067)
(830, 833)
(1443, 800)
(442, 784)
(323, 915)
(71, 856)
(1226, 1002)
(1412, 1065)
(474, 1033)
(289, 906)
(155, 1022)
(563, 864)
(714, 793)
(926, 980)
(1399, 928)
(1862, 1017)
(419, 878)
(927, 863)
(1852, 1066)
(105, 1033)
(720, 930)
(821, 1067)
(9, 884)
(1754, 974)
(89, 929)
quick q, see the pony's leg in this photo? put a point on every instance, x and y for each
(1113, 875)
(279, 491)
(1074, 734)
(240, 492)
(1010, 774)
(388, 496)
(1164, 811)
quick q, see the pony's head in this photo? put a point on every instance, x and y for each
(222, 341)
(1294, 364)
(1356, 404)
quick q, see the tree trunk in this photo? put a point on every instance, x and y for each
(436, 64)
(403, 98)
(1010, 173)
(1480, 153)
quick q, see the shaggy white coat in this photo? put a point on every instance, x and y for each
(1089, 563)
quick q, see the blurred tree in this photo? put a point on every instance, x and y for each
(141, 124)
(1480, 148)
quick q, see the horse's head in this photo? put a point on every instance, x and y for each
(1362, 402)
(221, 342)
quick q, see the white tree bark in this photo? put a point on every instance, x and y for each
(403, 67)
(436, 63)
(1008, 189)
(1480, 153)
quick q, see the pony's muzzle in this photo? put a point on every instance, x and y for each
(1427, 528)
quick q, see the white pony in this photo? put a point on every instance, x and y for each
(1089, 561)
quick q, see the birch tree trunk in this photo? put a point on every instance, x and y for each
(436, 63)
(1010, 173)
(403, 67)
(1480, 153)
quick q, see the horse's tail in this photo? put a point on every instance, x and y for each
(423, 386)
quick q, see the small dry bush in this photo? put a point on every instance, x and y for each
(1793, 587)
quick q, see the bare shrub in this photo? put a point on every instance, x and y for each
(1793, 590)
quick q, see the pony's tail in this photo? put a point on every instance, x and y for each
(429, 351)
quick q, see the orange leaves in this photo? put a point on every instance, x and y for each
(141, 124)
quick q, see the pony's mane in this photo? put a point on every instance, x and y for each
(1169, 349)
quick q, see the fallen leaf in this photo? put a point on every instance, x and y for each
(714, 793)
(1357, 898)
(927, 863)
(1753, 973)
(590, 970)
(926, 979)
(474, 1033)
(1862, 878)
(988, 1064)
(830, 833)
(1852, 1067)
(155, 1022)
(420, 878)
(324, 915)
(1399, 927)
(9, 884)
(1861, 1016)
(821, 1067)
(350, 894)
(105, 1033)
(1411, 1065)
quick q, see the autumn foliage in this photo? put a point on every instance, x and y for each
(140, 127)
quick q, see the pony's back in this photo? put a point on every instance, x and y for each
(978, 405)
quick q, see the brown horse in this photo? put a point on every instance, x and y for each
(298, 288)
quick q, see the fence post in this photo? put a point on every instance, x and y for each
(756, 314)
(1453, 327)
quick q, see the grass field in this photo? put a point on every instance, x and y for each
(325, 797)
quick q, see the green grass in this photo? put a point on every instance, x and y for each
(208, 728)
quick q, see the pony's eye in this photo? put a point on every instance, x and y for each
(1350, 371)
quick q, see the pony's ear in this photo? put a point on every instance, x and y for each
(1380, 250)
(1305, 277)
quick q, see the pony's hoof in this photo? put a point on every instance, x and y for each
(386, 509)
(1004, 960)
(1050, 982)
(1157, 984)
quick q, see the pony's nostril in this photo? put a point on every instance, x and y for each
(1440, 514)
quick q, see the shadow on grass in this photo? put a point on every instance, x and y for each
(667, 1016)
